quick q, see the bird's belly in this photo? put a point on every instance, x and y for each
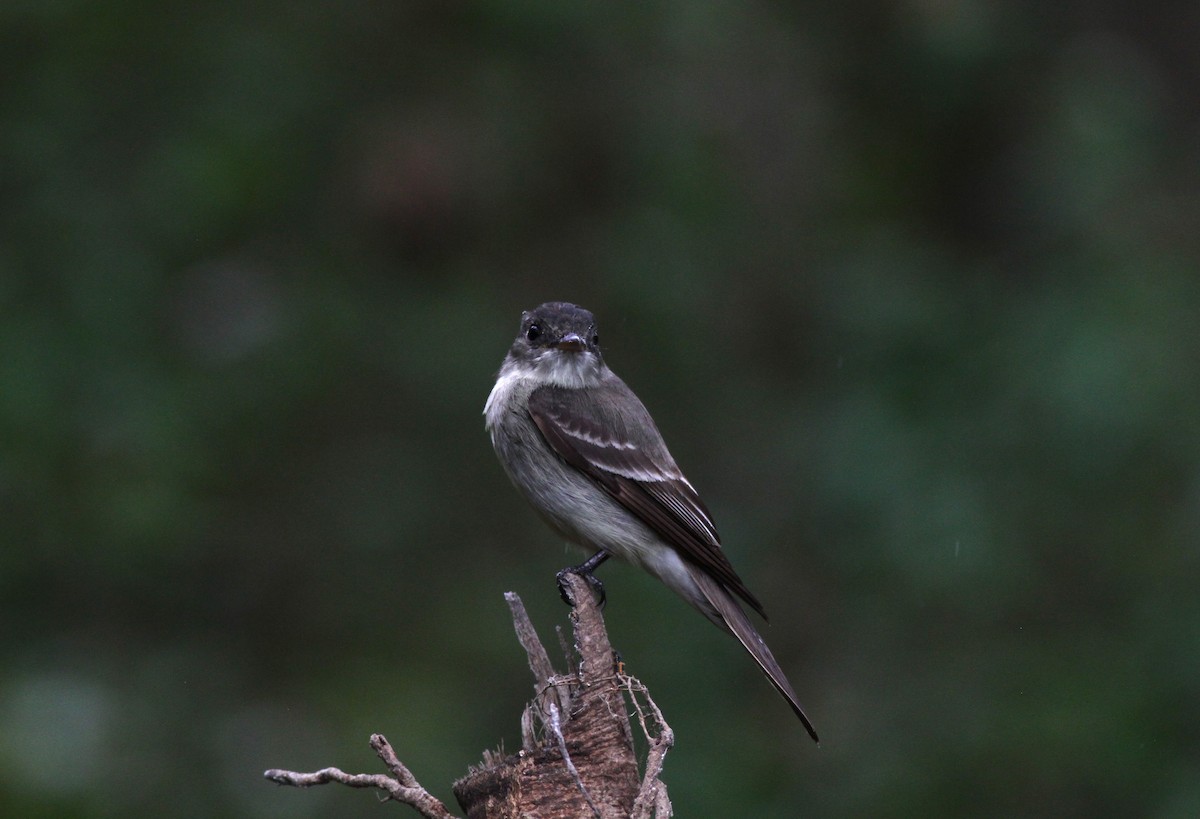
(570, 502)
(583, 513)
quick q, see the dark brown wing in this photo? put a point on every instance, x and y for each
(623, 452)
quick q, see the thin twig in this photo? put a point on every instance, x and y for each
(383, 750)
(556, 729)
(565, 648)
(652, 799)
(539, 660)
(403, 788)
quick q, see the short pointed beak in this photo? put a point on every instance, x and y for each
(572, 342)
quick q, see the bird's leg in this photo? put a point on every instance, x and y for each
(584, 570)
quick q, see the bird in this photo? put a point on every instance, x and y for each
(584, 451)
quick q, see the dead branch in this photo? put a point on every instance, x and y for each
(402, 786)
(577, 756)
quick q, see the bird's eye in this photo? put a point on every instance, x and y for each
(534, 332)
(595, 339)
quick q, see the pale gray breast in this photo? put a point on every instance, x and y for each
(569, 501)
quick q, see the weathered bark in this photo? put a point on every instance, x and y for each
(577, 757)
(584, 764)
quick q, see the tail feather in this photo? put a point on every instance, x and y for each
(739, 624)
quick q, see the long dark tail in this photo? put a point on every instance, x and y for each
(741, 627)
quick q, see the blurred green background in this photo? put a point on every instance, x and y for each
(912, 289)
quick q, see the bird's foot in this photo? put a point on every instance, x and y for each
(584, 570)
(564, 590)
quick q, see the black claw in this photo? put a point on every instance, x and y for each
(584, 570)
(592, 580)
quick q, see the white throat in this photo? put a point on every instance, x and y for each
(558, 368)
(567, 369)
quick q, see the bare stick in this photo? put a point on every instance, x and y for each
(556, 728)
(403, 788)
(652, 797)
(539, 660)
(585, 763)
(577, 757)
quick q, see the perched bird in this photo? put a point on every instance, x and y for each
(584, 451)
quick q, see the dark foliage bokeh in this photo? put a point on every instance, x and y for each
(912, 289)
